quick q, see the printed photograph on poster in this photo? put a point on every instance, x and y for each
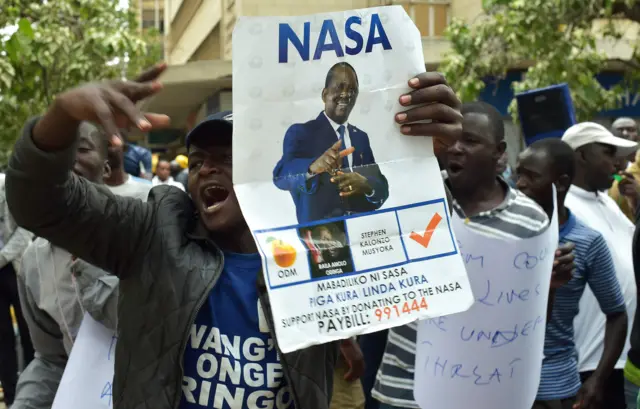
(327, 249)
(327, 163)
(349, 215)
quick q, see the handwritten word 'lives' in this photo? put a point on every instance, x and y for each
(328, 39)
(492, 297)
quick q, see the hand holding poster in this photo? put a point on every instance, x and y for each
(349, 214)
(493, 352)
(88, 377)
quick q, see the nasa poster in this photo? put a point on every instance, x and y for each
(349, 215)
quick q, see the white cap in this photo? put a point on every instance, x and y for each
(586, 133)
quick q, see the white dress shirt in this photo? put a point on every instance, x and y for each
(601, 213)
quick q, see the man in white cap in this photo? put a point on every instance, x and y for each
(597, 151)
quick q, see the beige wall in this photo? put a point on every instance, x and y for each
(466, 9)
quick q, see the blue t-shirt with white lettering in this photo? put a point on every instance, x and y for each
(231, 361)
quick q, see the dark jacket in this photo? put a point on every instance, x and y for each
(634, 339)
(317, 197)
(166, 273)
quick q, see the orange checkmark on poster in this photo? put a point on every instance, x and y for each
(424, 239)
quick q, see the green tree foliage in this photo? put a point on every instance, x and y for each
(554, 38)
(47, 46)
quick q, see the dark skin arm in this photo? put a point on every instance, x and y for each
(590, 395)
(563, 267)
(352, 355)
(42, 193)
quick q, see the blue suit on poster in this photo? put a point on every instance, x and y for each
(317, 197)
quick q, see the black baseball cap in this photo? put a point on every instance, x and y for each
(218, 122)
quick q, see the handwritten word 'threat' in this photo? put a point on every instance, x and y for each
(439, 367)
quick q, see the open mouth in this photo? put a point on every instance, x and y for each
(214, 197)
(454, 168)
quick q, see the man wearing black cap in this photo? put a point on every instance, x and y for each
(194, 319)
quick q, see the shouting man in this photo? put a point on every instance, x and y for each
(194, 315)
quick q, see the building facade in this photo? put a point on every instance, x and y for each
(198, 50)
(150, 13)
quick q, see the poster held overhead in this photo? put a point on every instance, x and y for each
(349, 215)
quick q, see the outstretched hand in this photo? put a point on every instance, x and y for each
(110, 104)
(151, 74)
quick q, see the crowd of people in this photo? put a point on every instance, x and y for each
(82, 210)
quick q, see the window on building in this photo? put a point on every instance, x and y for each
(149, 19)
(430, 16)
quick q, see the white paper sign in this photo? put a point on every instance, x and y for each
(490, 355)
(355, 244)
(88, 378)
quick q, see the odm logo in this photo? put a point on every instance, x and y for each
(283, 253)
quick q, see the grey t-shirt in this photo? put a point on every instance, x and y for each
(133, 187)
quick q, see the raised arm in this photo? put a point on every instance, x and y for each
(44, 197)
(87, 220)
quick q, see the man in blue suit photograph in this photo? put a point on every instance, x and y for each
(327, 164)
